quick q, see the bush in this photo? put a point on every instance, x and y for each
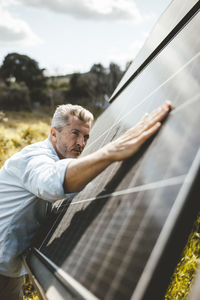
(14, 97)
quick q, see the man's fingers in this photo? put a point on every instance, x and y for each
(149, 132)
(136, 143)
(148, 121)
(166, 106)
(130, 142)
(158, 115)
(164, 109)
(145, 117)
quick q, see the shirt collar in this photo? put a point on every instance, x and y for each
(51, 147)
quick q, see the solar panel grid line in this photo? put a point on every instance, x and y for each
(71, 264)
(153, 185)
(115, 235)
(89, 262)
(92, 237)
(107, 255)
(116, 240)
(186, 103)
(70, 216)
(133, 247)
(102, 208)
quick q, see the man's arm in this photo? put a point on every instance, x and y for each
(82, 170)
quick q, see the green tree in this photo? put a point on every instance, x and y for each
(82, 85)
(114, 76)
(21, 68)
(15, 97)
(100, 78)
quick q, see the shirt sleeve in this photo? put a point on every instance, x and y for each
(44, 177)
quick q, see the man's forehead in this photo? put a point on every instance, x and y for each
(75, 123)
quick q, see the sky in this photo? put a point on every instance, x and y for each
(66, 36)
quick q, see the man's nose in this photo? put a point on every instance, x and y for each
(81, 141)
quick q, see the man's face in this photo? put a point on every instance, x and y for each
(71, 141)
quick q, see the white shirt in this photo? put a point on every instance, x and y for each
(27, 179)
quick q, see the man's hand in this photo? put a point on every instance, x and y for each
(130, 142)
(82, 170)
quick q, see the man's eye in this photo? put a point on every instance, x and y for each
(75, 132)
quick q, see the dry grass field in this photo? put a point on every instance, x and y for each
(18, 129)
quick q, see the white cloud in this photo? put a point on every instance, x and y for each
(129, 54)
(13, 30)
(91, 9)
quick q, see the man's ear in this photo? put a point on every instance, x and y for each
(53, 134)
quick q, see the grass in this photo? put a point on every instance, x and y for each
(18, 129)
(185, 270)
(29, 291)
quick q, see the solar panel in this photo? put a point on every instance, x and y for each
(121, 236)
(170, 22)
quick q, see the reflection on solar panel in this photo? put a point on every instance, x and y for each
(121, 236)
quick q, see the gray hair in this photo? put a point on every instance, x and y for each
(62, 113)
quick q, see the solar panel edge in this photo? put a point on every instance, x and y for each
(147, 286)
(159, 48)
(69, 284)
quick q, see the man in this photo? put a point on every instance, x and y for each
(45, 172)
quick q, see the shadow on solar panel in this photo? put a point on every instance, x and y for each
(122, 235)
